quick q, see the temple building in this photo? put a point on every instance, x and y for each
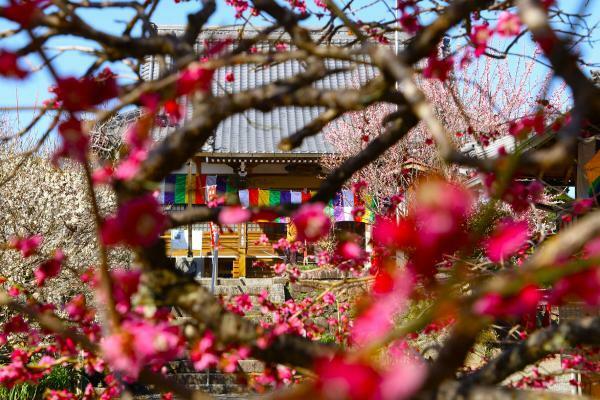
(242, 163)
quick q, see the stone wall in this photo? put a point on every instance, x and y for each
(253, 286)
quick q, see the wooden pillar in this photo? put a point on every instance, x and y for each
(585, 152)
(190, 192)
(242, 249)
(368, 245)
(368, 235)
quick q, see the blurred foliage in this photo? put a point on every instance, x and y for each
(59, 378)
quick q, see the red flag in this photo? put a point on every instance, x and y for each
(358, 200)
(200, 189)
(306, 197)
(253, 197)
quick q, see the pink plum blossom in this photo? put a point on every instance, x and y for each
(377, 320)
(202, 353)
(15, 324)
(77, 309)
(74, 140)
(480, 36)
(387, 232)
(350, 250)
(138, 344)
(403, 378)
(509, 24)
(49, 268)
(27, 246)
(103, 175)
(138, 223)
(243, 301)
(438, 68)
(279, 268)
(409, 22)
(130, 166)
(234, 215)
(329, 298)
(263, 240)
(346, 379)
(581, 206)
(496, 305)
(230, 359)
(584, 285)
(194, 78)
(9, 65)
(311, 222)
(508, 237)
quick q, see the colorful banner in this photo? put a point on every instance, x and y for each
(211, 180)
(296, 197)
(347, 198)
(180, 188)
(274, 198)
(244, 196)
(211, 193)
(221, 184)
(176, 188)
(203, 188)
(169, 190)
(253, 197)
(286, 197)
(263, 198)
(306, 197)
(200, 190)
(337, 200)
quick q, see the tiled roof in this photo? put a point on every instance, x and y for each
(475, 149)
(254, 131)
(260, 132)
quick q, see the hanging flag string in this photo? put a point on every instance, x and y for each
(176, 188)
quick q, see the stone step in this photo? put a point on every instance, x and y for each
(181, 366)
(202, 378)
(244, 281)
(185, 366)
(276, 290)
(251, 366)
(219, 388)
(324, 274)
(219, 396)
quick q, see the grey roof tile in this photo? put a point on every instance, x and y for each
(255, 131)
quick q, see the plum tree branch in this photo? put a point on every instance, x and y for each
(538, 345)
(398, 128)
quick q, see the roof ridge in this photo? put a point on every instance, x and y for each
(342, 33)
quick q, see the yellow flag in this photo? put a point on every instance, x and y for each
(263, 198)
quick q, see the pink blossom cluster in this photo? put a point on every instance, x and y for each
(509, 24)
(433, 228)
(139, 344)
(138, 222)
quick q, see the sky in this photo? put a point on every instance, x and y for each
(32, 91)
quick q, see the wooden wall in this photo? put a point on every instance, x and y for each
(239, 243)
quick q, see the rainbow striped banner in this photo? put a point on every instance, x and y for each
(255, 197)
(177, 188)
